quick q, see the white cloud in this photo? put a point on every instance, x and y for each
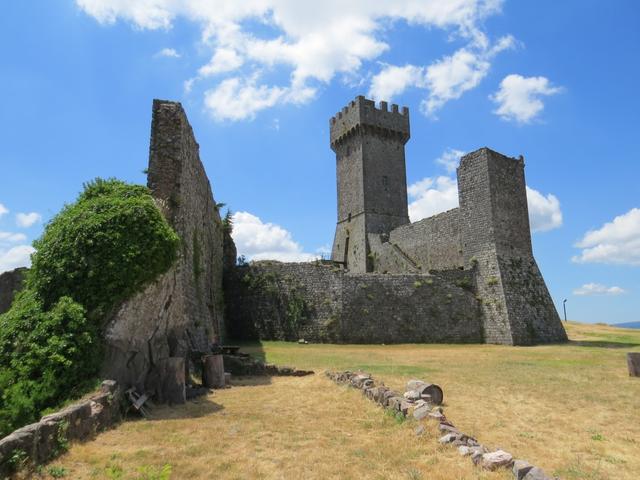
(394, 80)
(10, 237)
(450, 159)
(544, 211)
(224, 60)
(616, 242)
(266, 241)
(518, 98)
(445, 79)
(168, 52)
(19, 256)
(313, 42)
(430, 196)
(26, 220)
(3, 210)
(598, 289)
(235, 99)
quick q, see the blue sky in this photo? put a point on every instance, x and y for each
(259, 79)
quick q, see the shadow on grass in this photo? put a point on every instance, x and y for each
(601, 344)
(195, 408)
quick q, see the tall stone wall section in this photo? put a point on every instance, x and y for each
(182, 311)
(496, 241)
(322, 303)
(11, 282)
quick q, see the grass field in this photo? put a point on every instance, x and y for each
(571, 409)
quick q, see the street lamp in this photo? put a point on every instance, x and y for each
(564, 306)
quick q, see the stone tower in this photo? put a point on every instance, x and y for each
(371, 174)
(496, 241)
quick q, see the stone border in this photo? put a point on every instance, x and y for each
(40, 442)
(420, 402)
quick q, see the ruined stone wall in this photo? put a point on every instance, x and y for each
(433, 243)
(322, 303)
(182, 310)
(11, 282)
(496, 241)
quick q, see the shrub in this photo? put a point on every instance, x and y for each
(102, 248)
(45, 357)
(94, 254)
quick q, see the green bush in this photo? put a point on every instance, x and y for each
(102, 248)
(94, 254)
(45, 357)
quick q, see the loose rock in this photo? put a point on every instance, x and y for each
(494, 460)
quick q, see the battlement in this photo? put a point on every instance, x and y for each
(487, 152)
(362, 116)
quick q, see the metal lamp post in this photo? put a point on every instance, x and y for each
(564, 306)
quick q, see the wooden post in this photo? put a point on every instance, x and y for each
(172, 380)
(213, 371)
(633, 362)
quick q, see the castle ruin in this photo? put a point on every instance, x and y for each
(467, 274)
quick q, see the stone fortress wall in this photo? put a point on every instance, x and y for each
(321, 303)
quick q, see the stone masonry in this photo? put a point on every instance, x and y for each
(10, 283)
(181, 312)
(484, 283)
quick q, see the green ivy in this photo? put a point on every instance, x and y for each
(94, 254)
(103, 248)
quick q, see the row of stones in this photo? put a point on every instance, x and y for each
(40, 442)
(422, 400)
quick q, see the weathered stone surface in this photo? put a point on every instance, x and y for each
(344, 307)
(10, 283)
(633, 363)
(172, 374)
(421, 412)
(44, 440)
(450, 438)
(536, 474)
(182, 310)
(520, 469)
(412, 395)
(419, 430)
(213, 371)
(74, 419)
(497, 459)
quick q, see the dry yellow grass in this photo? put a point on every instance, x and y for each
(571, 409)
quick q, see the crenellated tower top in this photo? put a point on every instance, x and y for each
(362, 115)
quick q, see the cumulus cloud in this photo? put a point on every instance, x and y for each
(18, 256)
(168, 52)
(544, 211)
(10, 237)
(452, 76)
(223, 60)
(237, 99)
(430, 196)
(589, 289)
(3, 210)
(433, 195)
(616, 242)
(26, 220)
(313, 42)
(393, 80)
(450, 159)
(518, 98)
(266, 241)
